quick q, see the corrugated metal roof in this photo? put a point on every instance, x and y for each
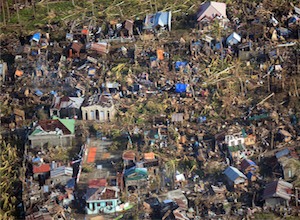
(59, 171)
(279, 189)
(233, 173)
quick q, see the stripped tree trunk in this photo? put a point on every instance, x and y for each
(8, 12)
(3, 12)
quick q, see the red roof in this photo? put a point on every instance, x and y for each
(44, 168)
(51, 125)
(96, 183)
(149, 156)
(129, 155)
(92, 155)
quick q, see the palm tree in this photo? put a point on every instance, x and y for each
(171, 166)
(8, 174)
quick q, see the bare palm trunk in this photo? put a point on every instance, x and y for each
(3, 12)
(33, 7)
(8, 12)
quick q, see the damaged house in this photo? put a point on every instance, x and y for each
(99, 107)
(66, 107)
(235, 177)
(160, 19)
(54, 132)
(288, 159)
(209, 11)
(103, 199)
(277, 193)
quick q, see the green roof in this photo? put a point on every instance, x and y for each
(235, 148)
(69, 124)
(258, 117)
(36, 131)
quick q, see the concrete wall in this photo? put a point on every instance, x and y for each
(272, 202)
(99, 113)
(52, 140)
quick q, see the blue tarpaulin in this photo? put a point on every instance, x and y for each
(180, 87)
(38, 92)
(36, 37)
(201, 119)
(53, 92)
(178, 64)
(153, 58)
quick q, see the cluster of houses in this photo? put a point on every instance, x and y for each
(73, 81)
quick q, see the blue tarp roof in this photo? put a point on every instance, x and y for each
(36, 36)
(180, 87)
(178, 64)
(38, 92)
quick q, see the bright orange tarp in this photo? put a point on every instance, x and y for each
(160, 54)
(19, 73)
(92, 155)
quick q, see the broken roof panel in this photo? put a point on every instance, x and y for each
(158, 19)
(100, 47)
(234, 38)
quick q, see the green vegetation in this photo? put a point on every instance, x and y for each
(9, 172)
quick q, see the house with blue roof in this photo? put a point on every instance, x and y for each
(235, 177)
(135, 177)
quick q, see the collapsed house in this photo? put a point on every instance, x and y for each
(66, 107)
(277, 193)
